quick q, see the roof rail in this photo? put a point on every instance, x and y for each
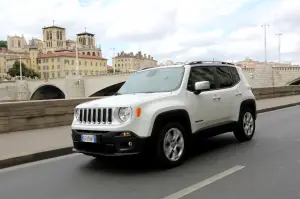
(146, 68)
(207, 62)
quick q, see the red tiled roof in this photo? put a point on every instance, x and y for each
(70, 55)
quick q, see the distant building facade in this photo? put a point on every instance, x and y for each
(250, 63)
(126, 62)
(55, 56)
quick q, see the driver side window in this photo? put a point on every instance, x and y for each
(201, 74)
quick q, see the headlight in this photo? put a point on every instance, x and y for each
(77, 113)
(124, 114)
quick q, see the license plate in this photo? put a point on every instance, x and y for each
(88, 138)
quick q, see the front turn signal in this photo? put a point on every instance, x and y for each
(138, 112)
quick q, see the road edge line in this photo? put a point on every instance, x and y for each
(68, 150)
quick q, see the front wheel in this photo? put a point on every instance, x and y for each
(246, 126)
(171, 145)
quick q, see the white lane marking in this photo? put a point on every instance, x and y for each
(204, 183)
(38, 162)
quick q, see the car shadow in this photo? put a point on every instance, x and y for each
(128, 165)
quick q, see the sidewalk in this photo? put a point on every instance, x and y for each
(26, 146)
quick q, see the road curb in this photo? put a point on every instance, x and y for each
(68, 150)
(35, 157)
(278, 107)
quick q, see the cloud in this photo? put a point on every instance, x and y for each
(167, 29)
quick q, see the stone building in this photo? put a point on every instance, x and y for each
(126, 62)
(55, 55)
(250, 63)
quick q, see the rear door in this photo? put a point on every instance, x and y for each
(227, 93)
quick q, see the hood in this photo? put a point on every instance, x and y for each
(123, 100)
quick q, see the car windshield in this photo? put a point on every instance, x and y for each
(153, 80)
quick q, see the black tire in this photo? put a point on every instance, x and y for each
(240, 132)
(160, 156)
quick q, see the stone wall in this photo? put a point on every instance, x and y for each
(269, 92)
(27, 115)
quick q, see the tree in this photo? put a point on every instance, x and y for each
(27, 72)
(3, 44)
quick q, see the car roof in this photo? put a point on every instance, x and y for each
(193, 64)
(210, 63)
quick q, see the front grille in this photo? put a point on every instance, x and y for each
(95, 115)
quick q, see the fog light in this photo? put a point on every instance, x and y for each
(125, 134)
(129, 143)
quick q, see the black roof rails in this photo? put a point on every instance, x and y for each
(146, 68)
(206, 62)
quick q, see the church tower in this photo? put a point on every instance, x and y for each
(86, 40)
(54, 38)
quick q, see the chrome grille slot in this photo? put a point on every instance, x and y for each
(96, 115)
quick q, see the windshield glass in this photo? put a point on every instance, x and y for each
(154, 80)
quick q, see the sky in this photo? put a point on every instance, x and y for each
(178, 30)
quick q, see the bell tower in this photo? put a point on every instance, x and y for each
(54, 38)
(86, 40)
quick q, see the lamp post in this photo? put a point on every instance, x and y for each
(114, 65)
(265, 39)
(279, 46)
(21, 75)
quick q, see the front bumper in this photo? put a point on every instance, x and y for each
(108, 143)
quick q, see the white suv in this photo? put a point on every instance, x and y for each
(158, 111)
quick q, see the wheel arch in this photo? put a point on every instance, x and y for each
(180, 115)
(251, 103)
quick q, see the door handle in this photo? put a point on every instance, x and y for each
(216, 97)
(238, 93)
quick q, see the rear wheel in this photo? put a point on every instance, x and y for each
(171, 145)
(245, 128)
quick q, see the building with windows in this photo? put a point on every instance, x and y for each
(250, 63)
(55, 56)
(126, 62)
(64, 64)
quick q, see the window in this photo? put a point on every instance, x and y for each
(153, 81)
(198, 74)
(224, 76)
(235, 75)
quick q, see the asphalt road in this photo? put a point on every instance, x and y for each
(268, 167)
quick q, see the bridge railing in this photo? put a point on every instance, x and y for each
(64, 77)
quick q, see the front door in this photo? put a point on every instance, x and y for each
(203, 107)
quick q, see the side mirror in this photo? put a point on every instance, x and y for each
(201, 86)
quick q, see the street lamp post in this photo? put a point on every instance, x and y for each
(21, 75)
(77, 67)
(279, 46)
(265, 39)
(114, 65)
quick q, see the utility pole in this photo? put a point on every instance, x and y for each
(279, 46)
(265, 38)
(114, 64)
(21, 75)
(77, 67)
